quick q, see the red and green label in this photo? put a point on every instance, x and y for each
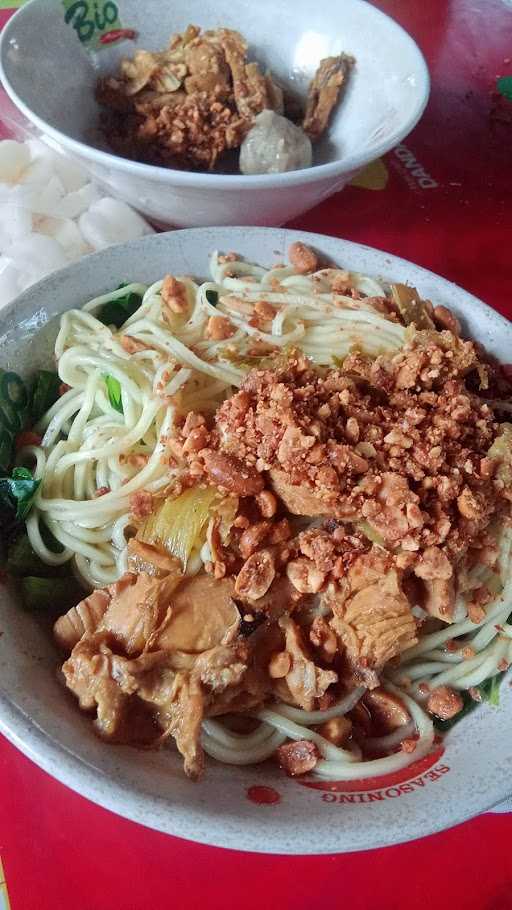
(96, 22)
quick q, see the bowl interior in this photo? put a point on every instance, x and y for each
(43, 720)
(52, 76)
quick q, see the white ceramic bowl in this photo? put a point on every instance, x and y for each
(475, 771)
(51, 79)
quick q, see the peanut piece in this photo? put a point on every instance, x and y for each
(302, 258)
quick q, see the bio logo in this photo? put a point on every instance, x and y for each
(96, 22)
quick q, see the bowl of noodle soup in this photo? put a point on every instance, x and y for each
(190, 343)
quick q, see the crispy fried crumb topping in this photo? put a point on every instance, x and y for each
(400, 443)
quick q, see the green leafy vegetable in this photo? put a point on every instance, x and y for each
(212, 297)
(57, 594)
(13, 393)
(50, 540)
(22, 560)
(114, 392)
(45, 392)
(116, 312)
(17, 492)
(490, 692)
(494, 691)
(21, 408)
(6, 447)
(14, 409)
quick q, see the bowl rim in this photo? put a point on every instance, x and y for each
(74, 771)
(350, 164)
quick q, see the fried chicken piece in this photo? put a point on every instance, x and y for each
(202, 616)
(256, 83)
(324, 91)
(149, 103)
(437, 575)
(169, 703)
(197, 132)
(303, 681)
(137, 71)
(185, 710)
(217, 672)
(88, 674)
(439, 600)
(374, 625)
(207, 68)
(179, 41)
(165, 654)
(250, 87)
(298, 498)
(82, 619)
(144, 558)
(161, 72)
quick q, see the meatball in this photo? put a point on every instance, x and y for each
(273, 145)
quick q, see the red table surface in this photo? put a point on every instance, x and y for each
(442, 199)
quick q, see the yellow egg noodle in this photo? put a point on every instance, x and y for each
(177, 371)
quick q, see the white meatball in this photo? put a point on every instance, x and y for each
(273, 145)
